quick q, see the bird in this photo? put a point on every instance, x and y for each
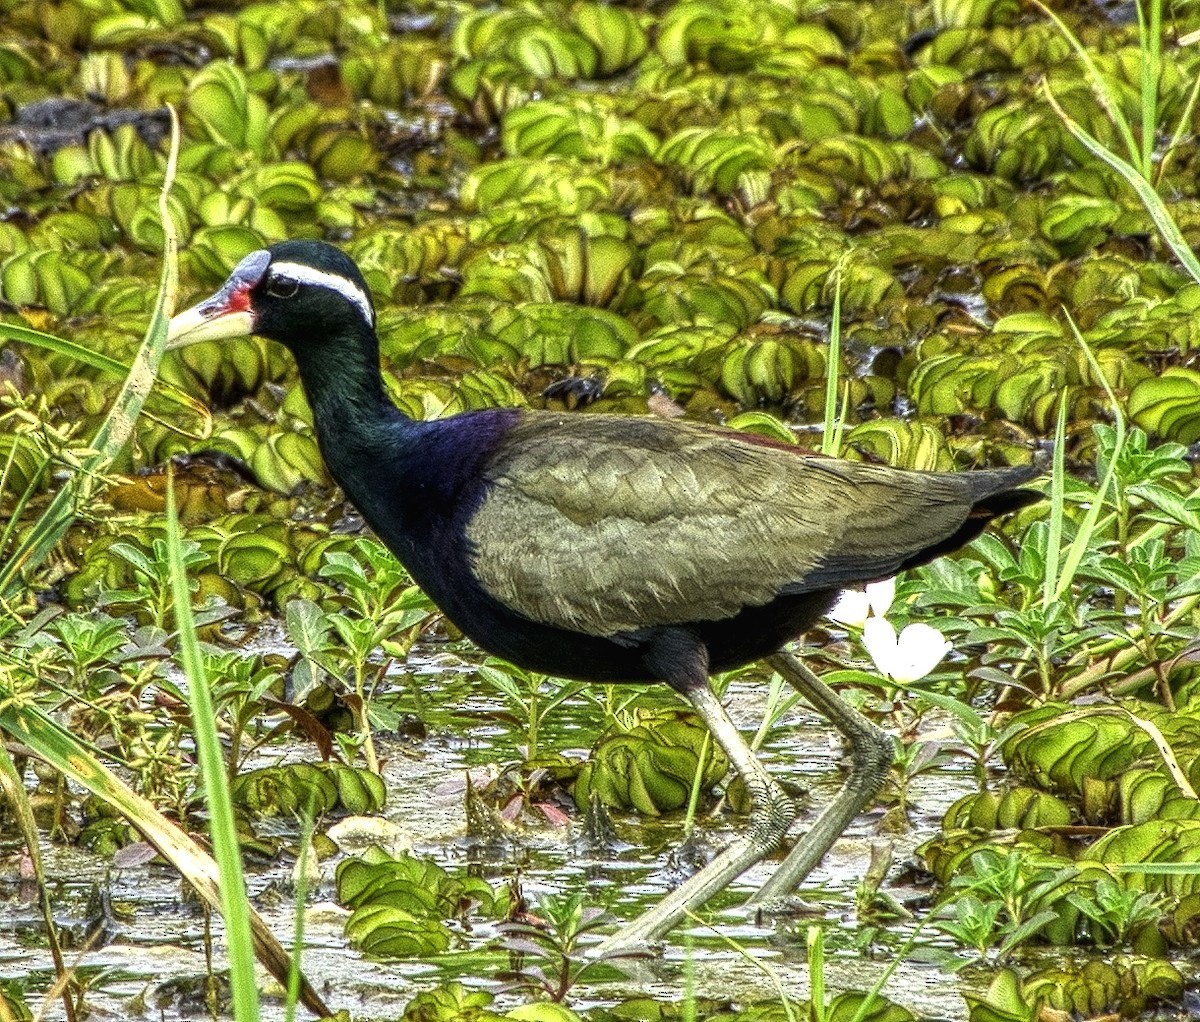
(613, 548)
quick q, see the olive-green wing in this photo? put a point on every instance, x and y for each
(606, 524)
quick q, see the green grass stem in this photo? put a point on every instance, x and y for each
(29, 724)
(1163, 220)
(1150, 41)
(1058, 477)
(1100, 87)
(1087, 528)
(223, 829)
(13, 790)
(815, 939)
(831, 438)
(295, 965)
(689, 819)
(789, 1009)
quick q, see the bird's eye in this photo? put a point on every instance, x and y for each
(282, 287)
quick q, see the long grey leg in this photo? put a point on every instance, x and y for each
(871, 752)
(772, 812)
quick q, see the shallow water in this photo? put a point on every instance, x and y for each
(154, 937)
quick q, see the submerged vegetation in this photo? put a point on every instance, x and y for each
(664, 208)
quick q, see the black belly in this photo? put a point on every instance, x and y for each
(439, 562)
(754, 633)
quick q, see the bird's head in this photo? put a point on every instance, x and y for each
(296, 292)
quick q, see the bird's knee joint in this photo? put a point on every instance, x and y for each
(774, 808)
(874, 752)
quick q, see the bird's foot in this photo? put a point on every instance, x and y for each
(692, 855)
(598, 835)
(576, 391)
(785, 906)
(633, 959)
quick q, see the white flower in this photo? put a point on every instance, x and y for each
(852, 607)
(881, 595)
(907, 658)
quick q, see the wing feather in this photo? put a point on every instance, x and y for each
(615, 523)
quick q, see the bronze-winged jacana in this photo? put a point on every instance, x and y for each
(612, 548)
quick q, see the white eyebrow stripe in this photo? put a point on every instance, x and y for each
(302, 274)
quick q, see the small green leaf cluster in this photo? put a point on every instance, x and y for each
(651, 764)
(1012, 875)
(1001, 899)
(377, 610)
(547, 946)
(306, 789)
(400, 904)
(1127, 985)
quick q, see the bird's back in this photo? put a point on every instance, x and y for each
(610, 524)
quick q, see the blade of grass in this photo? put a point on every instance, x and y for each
(105, 364)
(840, 427)
(1166, 753)
(1083, 538)
(222, 828)
(1184, 126)
(13, 790)
(777, 706)
(1100, 87)
(29, 724)
(1150, 44)
(1058, 483)
(689, 818)
(831, 438)
(817, 1009)
(307, 852)
(772, 976)
(117, 427)
(1158, 869)
(1153, 202)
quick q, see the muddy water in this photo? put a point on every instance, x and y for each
(154, 939)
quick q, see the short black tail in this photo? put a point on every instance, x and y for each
(996, 493)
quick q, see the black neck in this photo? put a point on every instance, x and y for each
(354, 418)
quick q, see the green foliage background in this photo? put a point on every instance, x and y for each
(660, 201)
(656, 196)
